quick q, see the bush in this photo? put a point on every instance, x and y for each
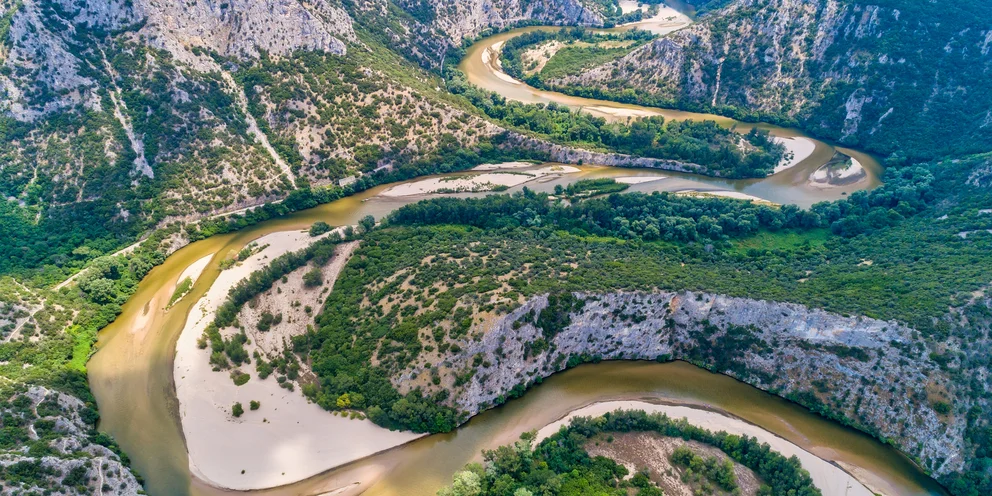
(313, 278)
(253, 405)
(319, 227)
(237, 410)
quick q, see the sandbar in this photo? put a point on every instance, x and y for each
(831, 479)
(799, 148)
(288, 438)
(474, 183)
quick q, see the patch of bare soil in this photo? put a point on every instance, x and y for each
(292, 303)
(651, 453)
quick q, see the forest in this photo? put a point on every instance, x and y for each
(561, 465)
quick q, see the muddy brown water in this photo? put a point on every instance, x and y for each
(131, 373)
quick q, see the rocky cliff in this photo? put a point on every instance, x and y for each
(869, 372)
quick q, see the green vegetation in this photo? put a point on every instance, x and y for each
(240, 378)
(414, 286)
(254, 405)
(583, 49)
(237, 410)
(591, 187)
(709, 469)
(705, 143)
(319, 227)
(561, 465)
(181, 289)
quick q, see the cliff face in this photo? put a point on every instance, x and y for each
(869, 371)
(904, 77)
(466, 19)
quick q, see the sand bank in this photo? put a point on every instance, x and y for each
(829, 176)
(831, 479)
(737, 195)
(195, 269)
(605, 111)
(637, 179)
(490, 57)
(287, 439)
(799, 148)
(503, 166)
(475, 183)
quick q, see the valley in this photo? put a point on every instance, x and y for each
(405, 247)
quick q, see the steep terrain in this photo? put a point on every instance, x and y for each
(891, 76)
(50, 445)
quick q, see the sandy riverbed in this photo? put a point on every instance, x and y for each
(799, 148)
(831, 480)
(287, 439)
(487, 181)
(667, 20)
(194, 270)
(637, 179)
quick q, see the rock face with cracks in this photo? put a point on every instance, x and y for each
(866, 371)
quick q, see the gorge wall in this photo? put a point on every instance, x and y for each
(869, 372)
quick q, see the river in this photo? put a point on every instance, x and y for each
(789, 186)
(131, 374)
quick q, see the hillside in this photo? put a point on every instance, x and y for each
(894, 77)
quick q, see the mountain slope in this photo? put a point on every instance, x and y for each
(892, 76)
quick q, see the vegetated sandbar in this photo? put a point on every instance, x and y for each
(736, 195)
(288, 438)
(195, 269)
(831, 479)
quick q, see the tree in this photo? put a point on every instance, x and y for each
(253, 405)
(464, 483)
(319, 227)
(237, 410)
(366, 224)
(313, 278)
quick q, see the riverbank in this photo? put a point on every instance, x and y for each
(829, 478)
(287, 438)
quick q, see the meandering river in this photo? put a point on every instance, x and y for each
(131, 375)
(481, 67)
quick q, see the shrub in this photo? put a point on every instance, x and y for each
(319, 227)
